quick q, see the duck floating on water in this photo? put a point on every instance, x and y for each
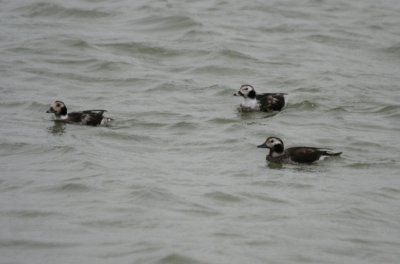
(294, 155)
(266, 102)
(87, 117)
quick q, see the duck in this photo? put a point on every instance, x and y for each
(294, 155)
(266, 102)
(87, 117)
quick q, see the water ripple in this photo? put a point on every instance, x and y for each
(304, 105)
(177, 22)
(54, 10)
(393, 50)
(71, 187)
(33, 213)
(223, 197)
(139, 48)
(34, 244)
(178, 259)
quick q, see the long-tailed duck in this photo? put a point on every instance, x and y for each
(267, 102)
(295, 155)
(87, 117)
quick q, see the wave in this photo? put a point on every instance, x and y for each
(178, 258)
(71, 187)
(236, 55)
(28, 213)
(140, 48)
(394, 50)
(160, 23)
(223, 197)
(55, 10)
(304, 105)
(34, 244)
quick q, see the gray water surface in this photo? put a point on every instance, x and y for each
(177, 177)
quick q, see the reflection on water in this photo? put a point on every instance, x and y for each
(57, 129)
(318, 166)
(274, 165)
(256, 115)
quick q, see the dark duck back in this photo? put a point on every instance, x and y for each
(270, 102)
(87, 117)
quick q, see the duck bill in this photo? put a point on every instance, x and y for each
(51, 110)
(262, 146)
(238, 93)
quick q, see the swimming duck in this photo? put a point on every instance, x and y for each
(294, 155)
(87, 117)
(267, 102)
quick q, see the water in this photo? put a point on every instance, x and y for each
(177, 177)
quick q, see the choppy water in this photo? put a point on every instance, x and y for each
(177, 178)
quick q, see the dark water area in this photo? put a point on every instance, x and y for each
(177, 177)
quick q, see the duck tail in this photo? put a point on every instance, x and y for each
(332, 154)
(106, 120)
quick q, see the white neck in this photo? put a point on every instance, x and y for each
(251, 103)
(61, 117)
(275, 154)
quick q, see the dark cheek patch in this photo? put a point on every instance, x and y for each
(252, 94)
(278, 148)
(63, 111)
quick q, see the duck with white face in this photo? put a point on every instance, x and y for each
(294, 155)
(87, 117)
(266, 102)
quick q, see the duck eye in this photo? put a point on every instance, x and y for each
(57, 105)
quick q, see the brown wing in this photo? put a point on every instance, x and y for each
(305, 154)
(75, 117)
